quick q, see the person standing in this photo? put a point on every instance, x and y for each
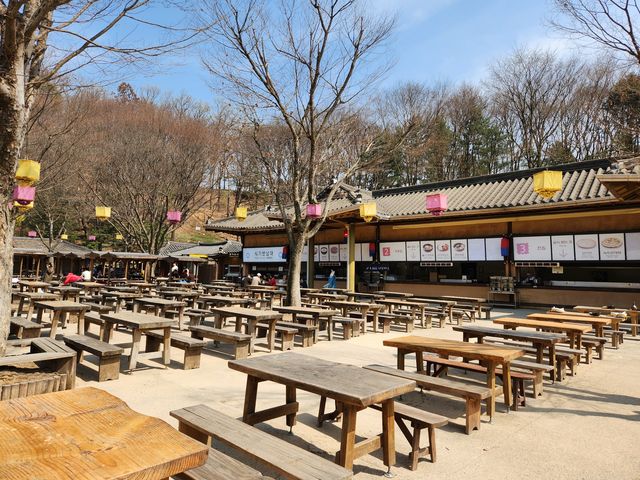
(47, 276)
(332, 280)
(255, 281)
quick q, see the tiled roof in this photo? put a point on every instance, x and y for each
(36, 246)
(172, 247)
(211, 250)
(474, 194)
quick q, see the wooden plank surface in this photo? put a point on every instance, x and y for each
(63, 305)
(247, 313)
(339, 381)
(538, 337)
(323, 312)
(455, 347)
(556, 326)
(137, 320)
(561, 317)
(88, 434)
(159, 301)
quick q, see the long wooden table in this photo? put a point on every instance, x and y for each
(60, 309)
(352, 387)
(598, 323)
(363, 307)
(573, 330)
(138, 323)
(415, 308)
(89, 434)
(633, 314)
(33, 285)
(317, 314)
(490, 355)
(32, 297)
(253, 317)
(160, 306)
(446, 305)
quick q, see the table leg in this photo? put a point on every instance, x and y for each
(491, 383)
(106, 334)
(251, 330)
(29, 311)
(166, 350)
(291, 398)
(400, 359)
(136, 334)
(39, 315)
(348, 437)
(419, 362)
(136, 307)
(181, 316)
(21, 306)
(506, 384)
(81, 322)
(579, 341)
(388, 434)
(250, 395)
(552, 361)
(634, 322)
(54, 323)
(600, 330)
(272, 335)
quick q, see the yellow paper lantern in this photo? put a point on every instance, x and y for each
(241, 213)
(119, 236)
(368, 211)
(64, 236)
(103, 213)
(547, 183)
(28, 171)
(23, 208)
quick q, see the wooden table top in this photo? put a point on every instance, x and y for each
(527, 336)
(323, 377)
(527, 322)
(34, 283)
(88, 434)
(561, 317)
(65, 288)
(464, 299)
(179, 293)
(475, 351)
(307, 310)
(160, 301)
(89, 284)
(137, 320)
(247, 313)
(586, 308)
(333, 296)
(346, 303)
(65, 305)
(121, 295)
(401, 301)
(229, 300)
(433, 300)
(37, 295)
(387, 293)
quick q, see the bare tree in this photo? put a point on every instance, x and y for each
(300, 66)
(609, 23)
(41, 40)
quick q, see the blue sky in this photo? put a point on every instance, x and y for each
(435, 40)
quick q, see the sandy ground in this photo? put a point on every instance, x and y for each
(587, 427)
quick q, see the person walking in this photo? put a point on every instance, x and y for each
(332, 280)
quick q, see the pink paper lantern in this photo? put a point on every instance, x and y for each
(314, 210)
(32, 234)
(174, 216)
(24, 194)
(436, 203)
(91, 238)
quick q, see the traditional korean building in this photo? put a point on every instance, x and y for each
(582, 245)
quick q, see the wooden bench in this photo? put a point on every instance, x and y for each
(241, 341)
(197, 316)
(487, 311)
(289, 461)
(108, 355)
(306, 332)
(617, 336)
(350, 326)
(97, 307)
(472, 394)
(192, 347)
(595, 342)
(221, 467)
(517, 377)
(386, 319)
(24, 328)
(537, 369)
(459, 312)
(418, 420)
(286, 334)
(93, 318)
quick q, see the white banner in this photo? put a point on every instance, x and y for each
(393, 252)
(262, 255)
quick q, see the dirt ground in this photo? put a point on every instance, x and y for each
(587, 427)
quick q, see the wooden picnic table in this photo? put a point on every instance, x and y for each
(119, 297)
(184, 284)
(33, 285)
(332, 380)
(180, 295)
(366, 295)
(363, 307)
(633, 314)
(67, 292)
(60, 310)
(415, 308)
(89, 434)
(216, 287)
(138, 323)
(32, 297)
(253, 317)
(573, 330)
(222, 301)
(446, 305)
(89, 287)
(160, 306)
(390, 294)
(490, 355)
(539, 340)
(318, 314)
(598, 323)
(321, 296)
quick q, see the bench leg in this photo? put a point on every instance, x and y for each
(600, 350)
(537, 384)
(109, 368)
(346, 331)
(307, 338)
(192, 358)
(386, 325)
(286, 339)
(472, 415)
(242, 350)
(409, 326)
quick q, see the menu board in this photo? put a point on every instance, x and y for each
(562, 248)
(611, 246)
(344, 252)
(359, 252)
(263, 255)
(586, 247)
(324, 253)
(632, 241)
(334, 253)
(476, 249)
(443, 251)
(428, 251)
(392, 252)
(413, 251)
(459, 251)
(526, 249)
(493, 248)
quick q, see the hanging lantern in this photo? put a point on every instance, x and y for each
(436, 203)
(314, 210)
(372, 249)
(345, 236)
(103, 213)
(241, 213)
(547, 183)
(24, 194)
(174, 217)
(23, 208)
(64, 236)
(28, 171)
(504, 246)
(368, 211)
(32, 234)
(119, 236)
(91, 238)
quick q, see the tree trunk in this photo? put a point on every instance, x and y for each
(293, 273)
(6, 270)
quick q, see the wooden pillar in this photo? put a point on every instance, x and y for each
(351, 265)
(21, 261)
(38, 267)
(126, 269)
(311, 268)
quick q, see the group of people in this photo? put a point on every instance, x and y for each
(176, 274)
